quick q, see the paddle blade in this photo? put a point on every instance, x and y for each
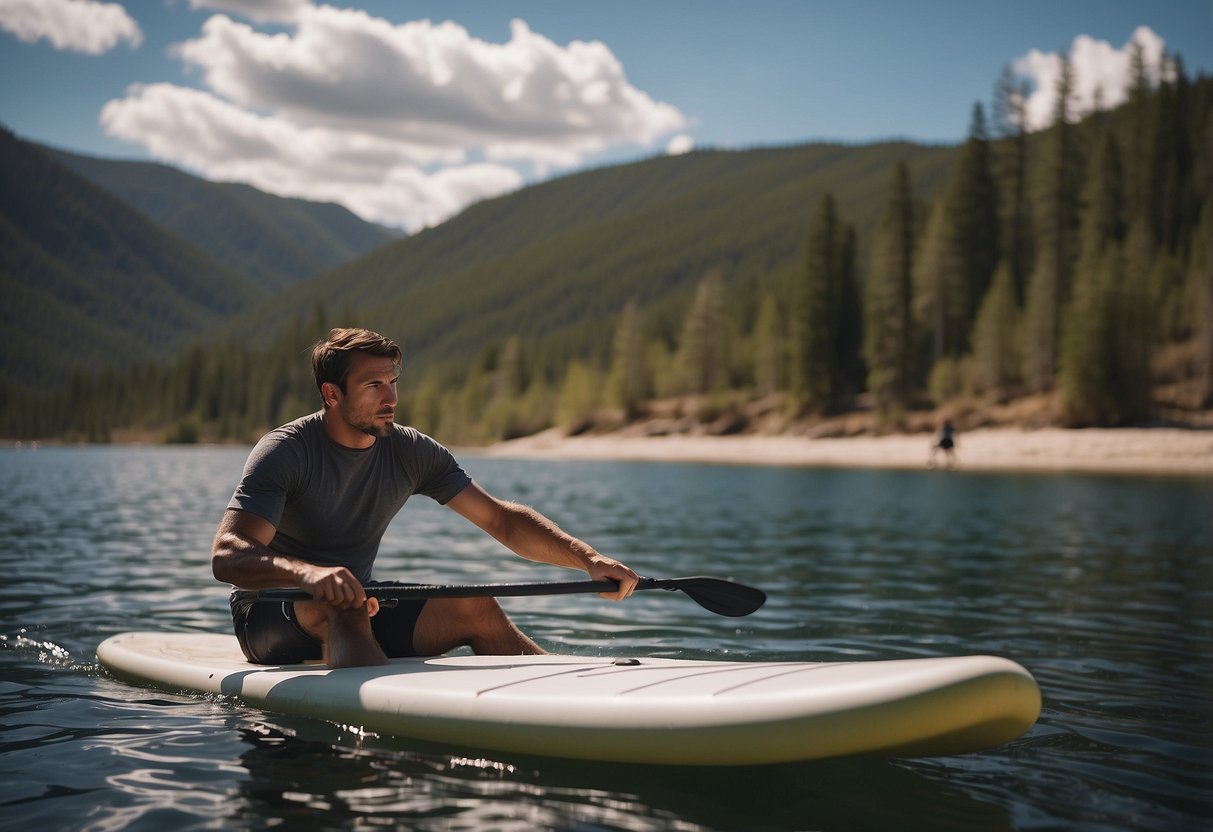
(717, 595)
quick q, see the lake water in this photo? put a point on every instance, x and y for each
(1101, 586)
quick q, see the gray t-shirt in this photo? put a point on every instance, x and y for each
(331, 504)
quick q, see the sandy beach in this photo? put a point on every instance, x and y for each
(1154, 451)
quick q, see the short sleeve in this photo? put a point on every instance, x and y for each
(271, 473)
(435, 471)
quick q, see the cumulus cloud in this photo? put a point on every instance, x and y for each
(405, 123)
(261, 11)
(376, 178)
(1101, 72)
(680, 144)
(73, 25)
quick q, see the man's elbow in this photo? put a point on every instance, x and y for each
(219, 568)
(223, 552)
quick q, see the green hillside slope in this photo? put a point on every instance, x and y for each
(1069, 267)
(89, 283)
(272, 240)
(559, 260)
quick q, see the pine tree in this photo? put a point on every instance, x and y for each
(579, 396)
(937, 305)
(1169, 200)
(1057, 212)
(1104, 362)
(1010, 162)
(1201, 281)
(700, 349)
(996, 347)
(629, 378)
(815, 310)
(1041, 326)
(848, 377)
(1087, 357)
(422, 404)
(1135, 123)
(464, 421)
(508, 375)
(960, 249)
(502, 416)
(888, 298)
(1133, 342)
(768, 347)
(973, 208)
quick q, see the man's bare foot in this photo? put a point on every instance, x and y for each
(345, 635)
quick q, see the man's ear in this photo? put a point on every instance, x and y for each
(329, 392)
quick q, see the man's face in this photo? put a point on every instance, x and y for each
(368, 404)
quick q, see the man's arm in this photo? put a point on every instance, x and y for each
(529, 534)
(241, 556)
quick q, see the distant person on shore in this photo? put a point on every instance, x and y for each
(314, 501)
(944, 440)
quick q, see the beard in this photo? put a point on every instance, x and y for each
(371, 427)
(378, 431)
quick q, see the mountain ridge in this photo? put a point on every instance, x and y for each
(87, 272)
(647, 230)
(275, 241)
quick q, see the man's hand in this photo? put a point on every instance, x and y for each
(337, 587)
(603, 568)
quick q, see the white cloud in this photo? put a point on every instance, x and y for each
(73, 25)
(680, 144)
(1098, 67)
(261, 11)
(384, 115)
(380, 180)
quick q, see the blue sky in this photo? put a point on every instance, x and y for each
(408, 111)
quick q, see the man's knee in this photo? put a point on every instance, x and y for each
(479, 623)
(312, 617)
(446, 623)
(472, 614)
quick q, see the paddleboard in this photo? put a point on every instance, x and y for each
(628, 710)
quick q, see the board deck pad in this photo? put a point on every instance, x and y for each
(630, 710)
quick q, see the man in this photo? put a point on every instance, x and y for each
(945, 440)
(314, 501)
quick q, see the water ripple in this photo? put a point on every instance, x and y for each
(1102, 587)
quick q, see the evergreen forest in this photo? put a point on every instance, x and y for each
(1061, 276)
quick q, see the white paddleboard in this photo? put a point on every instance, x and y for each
(646, 710)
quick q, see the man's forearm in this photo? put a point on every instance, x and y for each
(247, 564)
(529, 534)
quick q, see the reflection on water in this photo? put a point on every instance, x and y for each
(1103, 587)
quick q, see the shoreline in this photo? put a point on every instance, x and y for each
(1143, 451)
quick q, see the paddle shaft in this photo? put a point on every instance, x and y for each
(719, 595)
(413, 591)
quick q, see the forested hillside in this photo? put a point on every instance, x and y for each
(271, 240)
(88, 282)
(566, 256)
(744, 290)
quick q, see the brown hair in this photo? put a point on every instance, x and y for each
(331, 357)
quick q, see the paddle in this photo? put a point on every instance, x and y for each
(718, 595)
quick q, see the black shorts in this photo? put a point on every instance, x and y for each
(269, 633)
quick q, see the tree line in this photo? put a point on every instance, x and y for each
(1076, 261)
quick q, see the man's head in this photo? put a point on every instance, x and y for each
(356, 372)
(331, 357)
